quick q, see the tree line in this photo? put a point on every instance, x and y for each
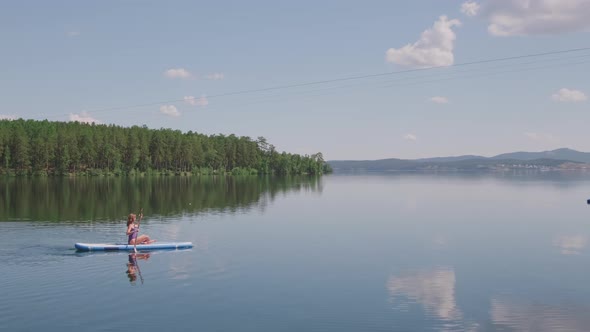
(31, 147)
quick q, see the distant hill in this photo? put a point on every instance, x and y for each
(447, 159)
(548, 160)
(562, 154)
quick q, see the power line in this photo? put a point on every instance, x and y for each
(342, 79)
(419, 80)
(405, 83)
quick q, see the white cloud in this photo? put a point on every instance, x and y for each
(533, 136)
(177, 73)
(433, 49)
(202, 101)
(410, 137)
(169, 110)
(83, 117)
(439, 100)
(470, 8)
(7, 117)
(535, 17)
(73, 33)
(567, 95)
(215, 76)
(541, 137)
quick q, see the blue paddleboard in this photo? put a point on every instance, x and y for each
(129, 247)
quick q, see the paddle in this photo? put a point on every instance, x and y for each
(137, 230)
(138, 269)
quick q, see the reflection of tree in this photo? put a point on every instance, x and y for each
(435, 290)
(571, 244)
(82, 198)
(526, 316)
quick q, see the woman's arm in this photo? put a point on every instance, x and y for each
(130, 229)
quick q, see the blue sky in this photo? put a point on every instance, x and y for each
(96, 61)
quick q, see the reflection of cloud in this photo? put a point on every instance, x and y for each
(411, 203)
(523, 316)
(179, 270)
(441, 240)
(435, 290)
(570, 244)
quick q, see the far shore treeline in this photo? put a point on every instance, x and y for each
(31, 147)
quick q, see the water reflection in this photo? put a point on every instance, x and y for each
(133, 268)
(530, 316)
(440, 240)
(87, 198)
(560, 179)
(434, 290)
(571, 244)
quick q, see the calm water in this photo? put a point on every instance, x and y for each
(364, 252)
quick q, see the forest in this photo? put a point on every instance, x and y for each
(31, 147)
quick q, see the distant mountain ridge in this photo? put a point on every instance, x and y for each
(561, 154)
(563, 158)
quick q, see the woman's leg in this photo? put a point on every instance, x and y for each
(144, 239)
(137, 241)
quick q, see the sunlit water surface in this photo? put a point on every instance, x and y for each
(364, 252)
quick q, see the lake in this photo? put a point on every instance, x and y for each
(342, 252)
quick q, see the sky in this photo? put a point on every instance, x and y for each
(351, 79)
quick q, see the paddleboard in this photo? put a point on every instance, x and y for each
(129, 247)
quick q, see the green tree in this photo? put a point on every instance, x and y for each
(20, 149)
(72, 147)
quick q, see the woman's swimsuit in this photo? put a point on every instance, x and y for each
(133, 235)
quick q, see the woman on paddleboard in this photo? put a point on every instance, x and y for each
(133, 229)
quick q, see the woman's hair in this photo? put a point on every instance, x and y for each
(130, 219)
(131, 275)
